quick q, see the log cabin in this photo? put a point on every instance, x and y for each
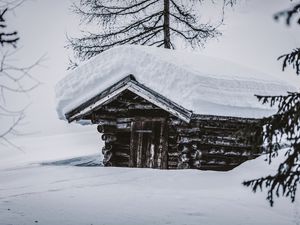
(157, 108)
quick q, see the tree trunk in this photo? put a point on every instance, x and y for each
(167, 40)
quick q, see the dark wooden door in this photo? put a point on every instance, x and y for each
(149, 143)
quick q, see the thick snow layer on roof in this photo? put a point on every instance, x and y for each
(199, 83)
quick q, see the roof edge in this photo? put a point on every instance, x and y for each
(129, 83)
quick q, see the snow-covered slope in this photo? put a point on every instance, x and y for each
(42, 186)
(199, 83)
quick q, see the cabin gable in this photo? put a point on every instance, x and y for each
(134, 130)
(130, 84)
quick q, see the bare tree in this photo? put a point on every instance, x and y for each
(284, 125)
(145, 22)
(14, 80)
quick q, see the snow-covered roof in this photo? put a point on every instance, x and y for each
(129, 83)
(199, 83)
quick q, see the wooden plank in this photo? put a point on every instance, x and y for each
(133, 144)
(143, 131)
(139, 149)
(164, 144)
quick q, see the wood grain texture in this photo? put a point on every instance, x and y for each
(139, 134)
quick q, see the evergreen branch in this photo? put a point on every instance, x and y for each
(289, 14)
(291, 59)
(285, 123)
(284, 182)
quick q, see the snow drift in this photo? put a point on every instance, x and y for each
(199, 83)
(52, 187)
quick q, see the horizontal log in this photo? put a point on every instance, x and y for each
(108, 146)
(116, 159)
(108, 138)
(223, 160)
(223, 118)
(173, 159)
(135, 113)
(173, 146)
(183, 165)
(129, 107)
(117, 137)
(212, 124)
(143, 106)
(103, 128)
(123, 126)
(172, 164)
(173, 154)
(188, 130)
(222, 149)
(124, 120)
(122, 154)
(211, 142)
(229, 138)
(117, 146)
(102, 118)
(217, 167)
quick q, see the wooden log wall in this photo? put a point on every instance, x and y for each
(116, 150)
(212, 142)
(207, 142)
(114, 125)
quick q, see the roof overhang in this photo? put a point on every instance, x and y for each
(129, 83)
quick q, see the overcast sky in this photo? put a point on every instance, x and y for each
(250, 37)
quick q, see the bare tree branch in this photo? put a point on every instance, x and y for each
(145, 22)
(14, 80)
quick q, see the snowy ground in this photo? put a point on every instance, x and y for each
(43, 186)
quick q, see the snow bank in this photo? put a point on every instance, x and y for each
(199, 83)
(72, 195)
(59, 149)
(84, 161)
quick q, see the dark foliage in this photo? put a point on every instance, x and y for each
(282, 130)
(144, 22)
(289, 14)
(9, 38)
(292, 59)
(282, 126)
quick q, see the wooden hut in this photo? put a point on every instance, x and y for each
(143, 128)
